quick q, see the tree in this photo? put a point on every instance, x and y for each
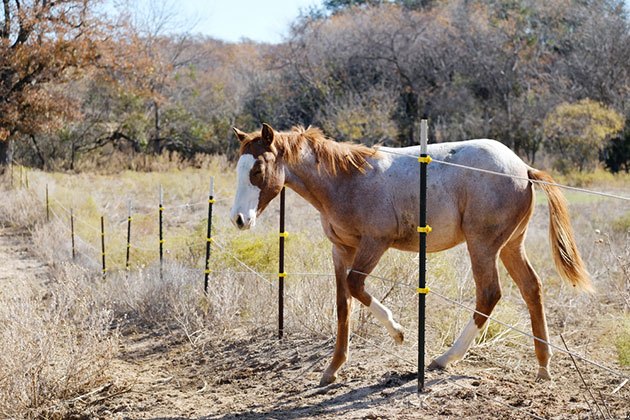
(616, 153)
(41, 42)
(575, 133)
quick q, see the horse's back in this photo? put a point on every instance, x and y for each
(461, 202)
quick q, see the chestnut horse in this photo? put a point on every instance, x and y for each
(368, 202)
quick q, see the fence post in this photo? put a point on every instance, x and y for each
(281, 273)
(72, 234)
(103, 245)
(128, 238)
(423, 229)
(208, 236)
(161, 211)
(47, 206)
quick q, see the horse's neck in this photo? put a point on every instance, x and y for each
(310, 183)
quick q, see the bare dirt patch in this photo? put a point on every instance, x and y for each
(18, 266)
(257, 376)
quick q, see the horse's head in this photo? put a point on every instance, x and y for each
(259, 174)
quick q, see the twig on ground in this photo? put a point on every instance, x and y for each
(588, 388)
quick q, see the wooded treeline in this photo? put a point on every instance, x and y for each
(543, 77)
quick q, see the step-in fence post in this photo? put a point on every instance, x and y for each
(74, 256)
(103, 245)
(161, 211)
(128, 238)
(281, 273)
(47, 205)
(208, 236)
(423, 230)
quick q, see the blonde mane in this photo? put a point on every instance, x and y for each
(334, 157)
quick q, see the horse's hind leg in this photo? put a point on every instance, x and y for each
(368, 255)
(488, 293)
(516, 262)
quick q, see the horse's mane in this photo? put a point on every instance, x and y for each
(333, 156)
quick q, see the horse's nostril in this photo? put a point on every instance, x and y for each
(239, 221)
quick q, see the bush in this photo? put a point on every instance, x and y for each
(576, 132)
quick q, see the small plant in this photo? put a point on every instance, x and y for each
(622, 224)
(622, 343)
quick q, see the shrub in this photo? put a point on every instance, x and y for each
(576, 132)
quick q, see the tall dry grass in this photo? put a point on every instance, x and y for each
(83, 314)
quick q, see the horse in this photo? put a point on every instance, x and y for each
(368, 200)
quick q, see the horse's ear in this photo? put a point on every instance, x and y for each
(239, 134)
(267, 133)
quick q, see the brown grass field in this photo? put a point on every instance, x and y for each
(77, 345)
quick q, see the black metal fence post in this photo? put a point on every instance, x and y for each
(281, 273)
(208, 236)
(128, 253)
(47, 205)
(161, 211)
(103, 245)
(423, 229)
(74, 256)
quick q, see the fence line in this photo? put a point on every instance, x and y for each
(252, 271)
(487, 171)
(257, 274)
(596, 364)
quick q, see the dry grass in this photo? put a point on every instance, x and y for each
(80, 318)
(56, 343)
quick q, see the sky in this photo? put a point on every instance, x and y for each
(233, 20)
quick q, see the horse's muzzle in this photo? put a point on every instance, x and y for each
(242, 222)
(239, 221)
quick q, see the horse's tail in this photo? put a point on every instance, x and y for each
(565, 253)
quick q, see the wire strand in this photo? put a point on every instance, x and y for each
(471, 168)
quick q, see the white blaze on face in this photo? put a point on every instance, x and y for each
(243, 212)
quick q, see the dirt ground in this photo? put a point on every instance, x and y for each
(162, 375)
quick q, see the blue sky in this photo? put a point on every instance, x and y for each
(233, 20)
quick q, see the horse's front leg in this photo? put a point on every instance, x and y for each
(342, 258)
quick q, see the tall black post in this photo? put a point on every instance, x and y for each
(281, 273)
(127, 256)
(161, 211)
(208, 236)
(103, 245)
(72, 234)
(423, 229)
(47, 205)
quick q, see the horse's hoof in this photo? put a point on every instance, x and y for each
(543, 374)
(327, 379)
(398, 334)
(436, 365)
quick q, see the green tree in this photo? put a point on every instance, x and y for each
(575, 133)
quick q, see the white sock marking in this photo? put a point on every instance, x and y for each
(461, 346)
(385, 317)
